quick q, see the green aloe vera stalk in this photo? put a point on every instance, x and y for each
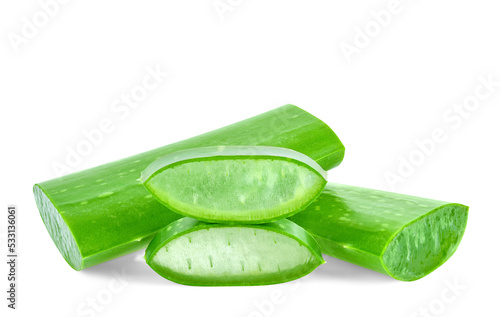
(192, 252)
(244, 184)
(402, 236)
(102, 213)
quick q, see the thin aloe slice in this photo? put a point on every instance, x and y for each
(246, 184)
(402, 236)
(192, 252)
(102, 213)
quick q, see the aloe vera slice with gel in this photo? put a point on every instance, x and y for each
(402, 236)
(246, 184)
(192, 252)
(103, 212)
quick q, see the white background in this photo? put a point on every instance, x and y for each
(398, 87)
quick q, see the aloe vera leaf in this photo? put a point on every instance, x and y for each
(192, 252)
(244, 184)
(402, 236)
(102, 213)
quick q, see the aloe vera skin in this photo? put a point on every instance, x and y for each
(102, 213)
(235, 184)
(192, 252)
(402, 236)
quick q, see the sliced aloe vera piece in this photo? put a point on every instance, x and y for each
(192, 252)
(102, 213)
(248, 184)
(402, 236)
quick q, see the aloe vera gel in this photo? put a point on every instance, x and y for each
(196, 253)
(246, 184)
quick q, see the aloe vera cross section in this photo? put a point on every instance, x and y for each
(192, 252)
(102, 213)
(403, 236)
(251, 184)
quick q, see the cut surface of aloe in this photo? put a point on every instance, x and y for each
(250, 184)
(192, 252)
(402, 236)
(102, 213)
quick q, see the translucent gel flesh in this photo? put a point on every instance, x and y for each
(58, 230)
(233, 256)
(237, 189)
(426, 244)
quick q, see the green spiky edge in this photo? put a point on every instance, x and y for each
(187, 225)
